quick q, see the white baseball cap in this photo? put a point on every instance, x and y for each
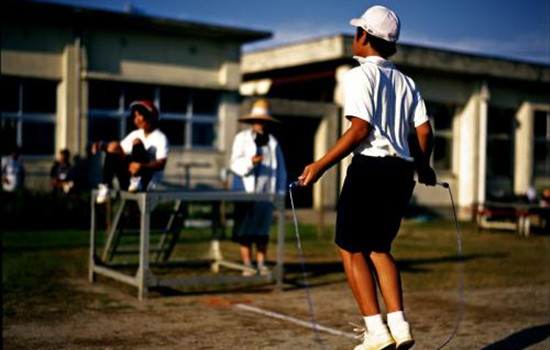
(379, 21)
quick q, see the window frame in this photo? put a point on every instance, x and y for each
(187, 117)
(19, 116)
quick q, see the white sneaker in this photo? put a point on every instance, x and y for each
(103, 194)
(215, 252)
(248, 270)
(402, 336)
(382, 340)
(135, 184)
(263, 270)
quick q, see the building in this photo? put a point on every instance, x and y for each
(491, 115)
(69, 74)
(68, 82)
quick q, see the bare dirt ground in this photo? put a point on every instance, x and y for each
(494, 319)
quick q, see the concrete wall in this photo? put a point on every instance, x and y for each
(471, 83)
(49, 51)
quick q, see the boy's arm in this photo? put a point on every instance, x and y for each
(156, 165)
(358, 131)
(424, 135)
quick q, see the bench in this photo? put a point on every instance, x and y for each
(515, 216)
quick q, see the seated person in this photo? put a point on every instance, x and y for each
(13, 171)
(139, 159)
(62, 173)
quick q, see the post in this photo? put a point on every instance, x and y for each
(91, 263)
(279, 268)
(143, 271)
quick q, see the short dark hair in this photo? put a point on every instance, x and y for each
(148, 115)
(65, 152)
(383, 47)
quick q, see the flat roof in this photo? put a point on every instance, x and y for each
(83, 16)
(337, 48)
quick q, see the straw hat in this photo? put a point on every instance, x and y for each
(259, 112)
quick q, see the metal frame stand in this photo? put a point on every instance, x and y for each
(144, 278)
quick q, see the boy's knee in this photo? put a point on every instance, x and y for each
(379, 255)
(137, 142)
(113, 147)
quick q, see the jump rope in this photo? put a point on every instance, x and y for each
(313, 316)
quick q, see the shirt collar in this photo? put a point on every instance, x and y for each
(377, 60)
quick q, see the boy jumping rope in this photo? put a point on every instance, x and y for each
(384, 106)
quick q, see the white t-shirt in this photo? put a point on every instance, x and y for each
(389, 101)
(12, 171)
(156, 145)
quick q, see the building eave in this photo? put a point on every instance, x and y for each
(82, 16)
(338, 48)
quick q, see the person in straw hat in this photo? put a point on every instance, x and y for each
(258, 166)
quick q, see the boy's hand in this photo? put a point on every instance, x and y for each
(96, 147)
(426, 175)
(134, 168)
(311, 174)
(257, 159)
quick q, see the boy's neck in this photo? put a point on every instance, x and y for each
(367, 51)
(372, 52)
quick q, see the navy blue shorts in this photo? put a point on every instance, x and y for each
(372, 203)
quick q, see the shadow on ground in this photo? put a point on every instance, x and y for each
(522, 339)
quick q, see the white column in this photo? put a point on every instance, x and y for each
(524, 149)
(482, 145)
(467, 153)
(339, 99)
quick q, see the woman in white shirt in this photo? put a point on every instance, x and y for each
(258, 166)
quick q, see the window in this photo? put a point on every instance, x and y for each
(27, 115)
(442, 117)
(189, 117)
(542, 144)
(500, 151)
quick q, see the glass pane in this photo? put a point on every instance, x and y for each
(174, 100)
(38, 138)
(499, 157)
(137, 92)
(104, 95)
(442, 115)
(39, 96)
(8, 134)
(103, 129)
(542, 158)
(541, 124)
(442, 153)
(10, 94)
(130, 126)
(203, 135)
(500, 121)
(206, 102)
(174, 130)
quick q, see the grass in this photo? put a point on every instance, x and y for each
(37, 266)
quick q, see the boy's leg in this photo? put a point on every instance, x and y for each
(246, 253)
(139, 155)
(361, 282)
(389, 280)
(390, 285)
(114, 162)
(261, 255)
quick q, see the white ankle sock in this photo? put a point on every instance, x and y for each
(396, 318)
(374, 323)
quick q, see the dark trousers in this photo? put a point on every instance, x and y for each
(117, 166)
